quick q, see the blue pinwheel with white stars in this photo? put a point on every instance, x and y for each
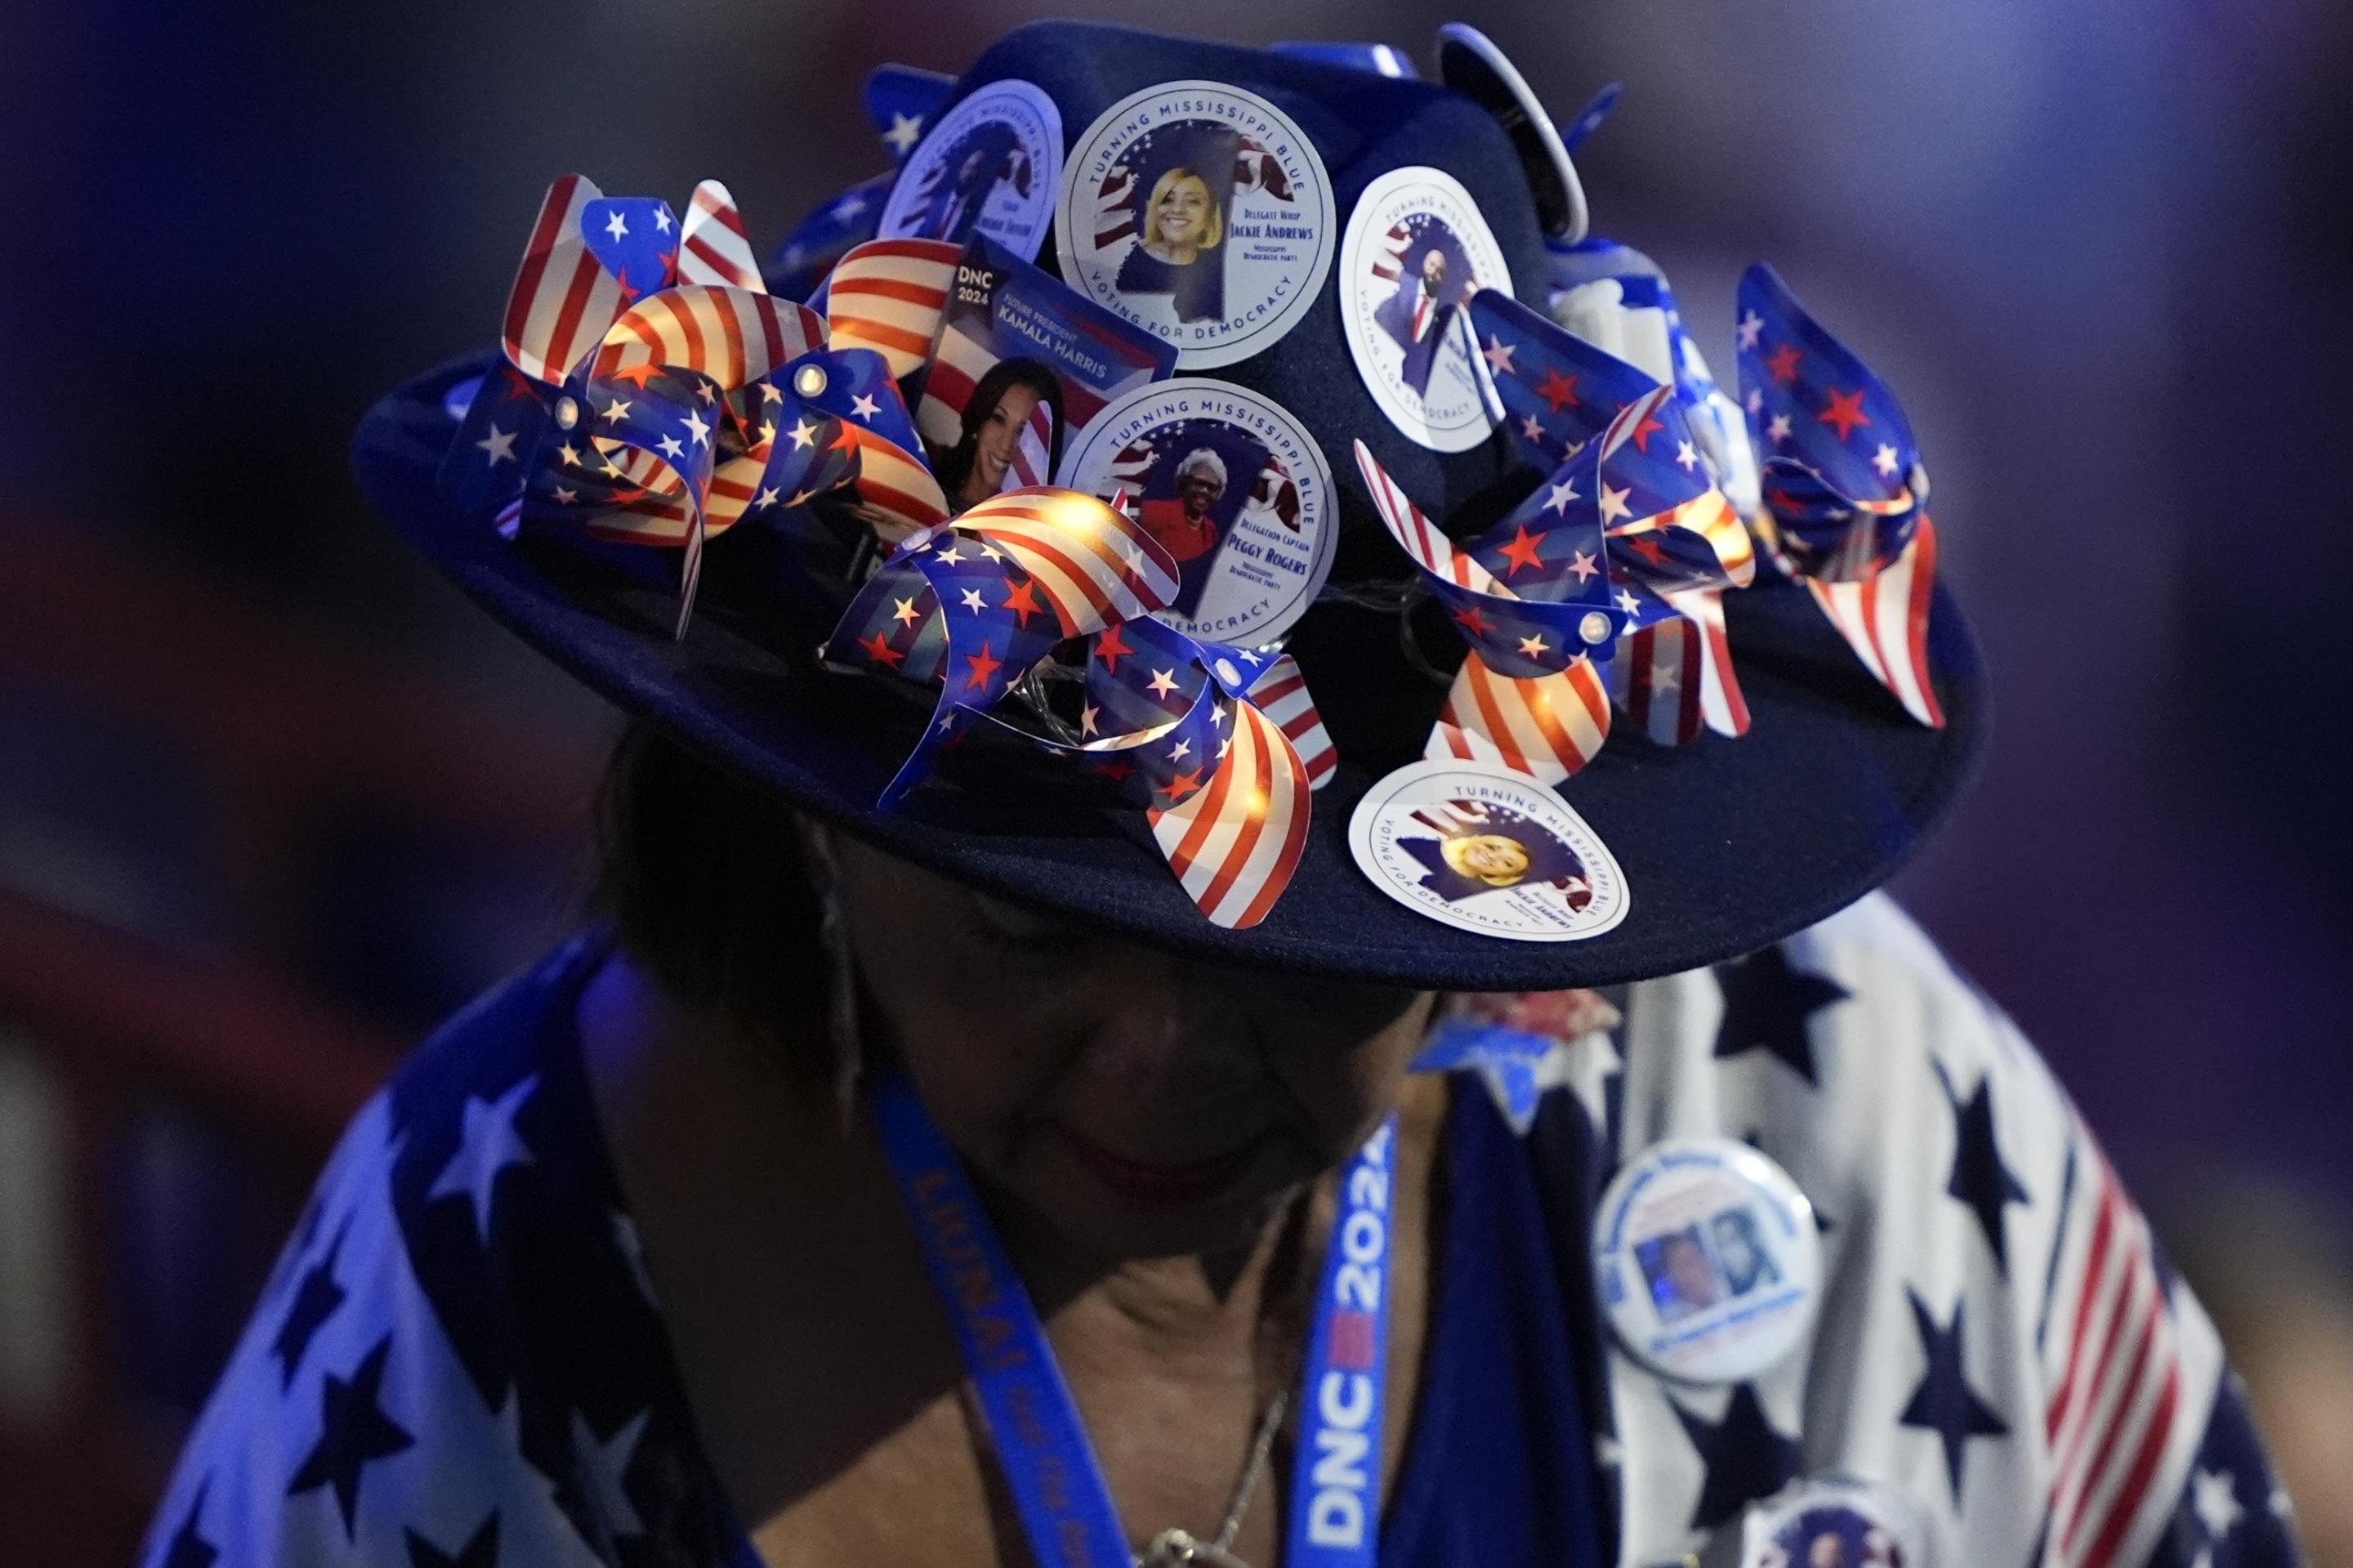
(1674, 542)
(1622, 541)
(902, 100)
(975, 605)
(653, 392)
(1845, 494)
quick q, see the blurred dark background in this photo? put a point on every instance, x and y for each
(272, 798)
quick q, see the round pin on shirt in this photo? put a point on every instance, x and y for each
(991, 165)
(1482, 848)
(1708, 1260)
(1201, 213)
(1835, 1524)
(1416, 251)
(1233, 487)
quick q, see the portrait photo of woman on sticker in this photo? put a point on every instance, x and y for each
(1480, 848)
(1742, 1251)
(1181, 524)
(1180, 251)
(1011, 434)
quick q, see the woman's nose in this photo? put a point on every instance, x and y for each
(1179, 1034)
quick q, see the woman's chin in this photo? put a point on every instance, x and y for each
(1125, 1209)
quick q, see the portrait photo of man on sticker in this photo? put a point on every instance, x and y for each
(1433, 279)
(1683, 1281)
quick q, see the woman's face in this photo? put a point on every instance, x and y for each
(992, 452)
(1140, 1105)
(1199, 491)
(1180, 218)
(1492, 855)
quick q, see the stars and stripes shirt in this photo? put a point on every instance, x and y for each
(459, 1359)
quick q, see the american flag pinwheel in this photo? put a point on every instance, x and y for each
(1543, 597)
(1560, 392)
(1617, 298)
(888, 294)
(1528, 694)
(1175, 725)
(653, 392)
(1844, 491)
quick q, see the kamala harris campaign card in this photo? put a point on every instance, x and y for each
(1022, 364)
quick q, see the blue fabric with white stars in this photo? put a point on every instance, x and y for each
(460, 1359)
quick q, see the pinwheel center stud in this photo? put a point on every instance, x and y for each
(808, 380)
(568, 413)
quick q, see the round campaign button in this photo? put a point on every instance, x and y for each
(1706, 1259)
(1835, 1524)
(1233, 488)
(991, 165)
(1469, 63)
(1201, 213)
(1479, 847)
(1416, 251)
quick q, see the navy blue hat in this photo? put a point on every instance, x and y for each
(1727, 844)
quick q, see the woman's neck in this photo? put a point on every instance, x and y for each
(1199, 1314)
(825, 1388)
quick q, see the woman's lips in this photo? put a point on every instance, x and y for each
(1143, 1182)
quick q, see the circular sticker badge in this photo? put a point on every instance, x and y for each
(1478, 846)
(1708, 1260)
(1232, 486)
(1200, 213)
(1416, 251)
(990, 166)
(1834, 1524)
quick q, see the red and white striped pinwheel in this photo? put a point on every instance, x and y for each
(1175, 725)
(1184, 729)
(1673, 675)
(888, 295)
(1544, 597)
(1845, 493)
(655, 392)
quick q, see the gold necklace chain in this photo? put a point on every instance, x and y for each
(1175, 1548)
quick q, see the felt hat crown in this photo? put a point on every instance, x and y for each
(1844, 701)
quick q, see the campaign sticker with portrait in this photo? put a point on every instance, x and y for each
(1233, 487)
(1837, 1523)
(1022, 362)
(1201, 213)
(1482, 848)
(990, 167)
(1416, 251)
(1707, 1259)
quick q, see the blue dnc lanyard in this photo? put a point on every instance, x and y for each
(1049, 1467)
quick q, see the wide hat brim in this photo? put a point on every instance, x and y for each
(1726, 845)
